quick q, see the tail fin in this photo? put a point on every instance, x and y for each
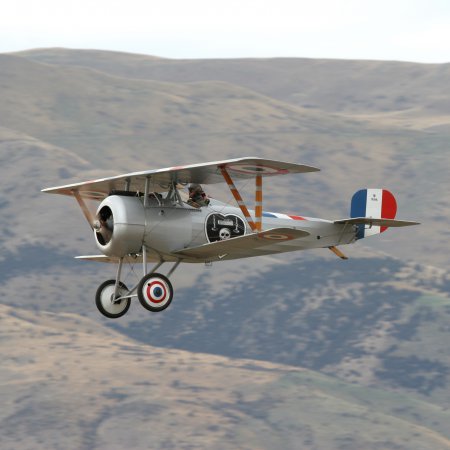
(374, 203)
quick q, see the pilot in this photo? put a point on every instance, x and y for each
(197, 196)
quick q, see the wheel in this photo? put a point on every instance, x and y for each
(155, 292)
(112, 310)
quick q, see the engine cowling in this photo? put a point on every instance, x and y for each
(120, 225)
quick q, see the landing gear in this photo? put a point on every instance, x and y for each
(105, 302)
(155, 292)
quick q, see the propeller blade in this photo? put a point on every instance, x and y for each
(89, 217)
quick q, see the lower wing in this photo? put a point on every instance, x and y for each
(242, 246)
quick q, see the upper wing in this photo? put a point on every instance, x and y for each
(242, 246)
(206, 173)
(377, 222)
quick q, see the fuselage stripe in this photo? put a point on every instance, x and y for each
(282, 216)
(297, 217)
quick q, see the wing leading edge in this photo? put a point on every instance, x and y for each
(160, 179)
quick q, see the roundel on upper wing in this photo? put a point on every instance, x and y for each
(220, 227)
(254, 169)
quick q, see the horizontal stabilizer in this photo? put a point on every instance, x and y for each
(242, 246)
(371, 221)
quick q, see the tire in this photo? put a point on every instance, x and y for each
(155, 292)
(103, 300)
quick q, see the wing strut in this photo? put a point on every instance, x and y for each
(258, 202)
(237, 196)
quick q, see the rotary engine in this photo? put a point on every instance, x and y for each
(120, 225)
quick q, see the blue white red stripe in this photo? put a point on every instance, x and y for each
(282, 216)
(376, 203)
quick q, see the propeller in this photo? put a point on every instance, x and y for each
(104, 225)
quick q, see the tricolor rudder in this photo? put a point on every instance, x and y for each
(376, 203)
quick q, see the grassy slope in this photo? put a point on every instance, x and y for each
(358, 87)
(372, 321)
(71, 383)
(60, 123)
(124, 124)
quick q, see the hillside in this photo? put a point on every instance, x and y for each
(70, 383)
(346, 354)
(99, 114)
(373, 321)
(353, 87)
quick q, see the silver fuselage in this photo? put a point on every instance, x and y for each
(166, 227)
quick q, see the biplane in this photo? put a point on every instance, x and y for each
(146, 217)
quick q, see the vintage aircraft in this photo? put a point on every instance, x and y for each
(146, 217)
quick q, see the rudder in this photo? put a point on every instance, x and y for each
(375, 203)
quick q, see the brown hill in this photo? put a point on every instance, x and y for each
(357, 87)
(69, 383)
(92, 104)
(377, 322)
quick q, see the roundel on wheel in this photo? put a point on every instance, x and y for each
(156, 291)
(220, 227)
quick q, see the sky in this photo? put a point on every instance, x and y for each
(405, 30)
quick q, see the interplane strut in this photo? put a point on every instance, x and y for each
(258, 202)
(239, 201)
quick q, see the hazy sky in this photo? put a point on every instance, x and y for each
(408, 30)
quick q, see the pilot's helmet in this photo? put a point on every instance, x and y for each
(195, 187)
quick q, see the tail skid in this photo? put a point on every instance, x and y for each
(337, 252)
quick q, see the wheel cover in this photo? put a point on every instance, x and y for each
(157, 292)
(105, 300)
